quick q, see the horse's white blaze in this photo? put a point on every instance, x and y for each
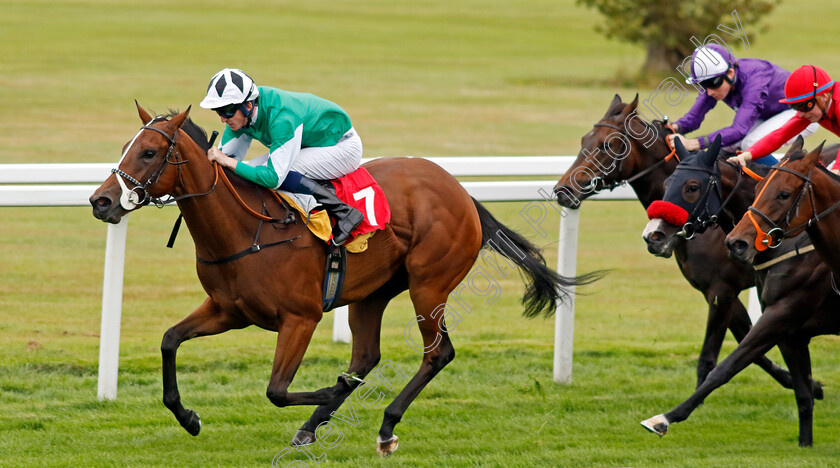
(652, 226)
(128, 198)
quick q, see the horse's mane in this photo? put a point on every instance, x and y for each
(658, 126)
(199, 136)
(195, 132)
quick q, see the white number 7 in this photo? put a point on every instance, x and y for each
(368, 195)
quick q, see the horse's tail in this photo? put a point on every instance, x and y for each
(544, 285)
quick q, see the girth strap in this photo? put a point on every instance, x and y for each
(252, 249)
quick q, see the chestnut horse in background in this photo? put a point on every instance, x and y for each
(623, 148)
(433, 239)
(797, 299)
(798, 195)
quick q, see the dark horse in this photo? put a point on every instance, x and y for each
(797, 299)
(799, 195)
(433, 239)
(623, 148)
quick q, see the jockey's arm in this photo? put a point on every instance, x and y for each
(231, 149)
(280, 159)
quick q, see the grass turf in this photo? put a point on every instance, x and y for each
(426, 78)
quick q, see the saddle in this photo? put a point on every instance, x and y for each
(361, 191)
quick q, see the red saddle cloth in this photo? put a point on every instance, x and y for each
(359, 190)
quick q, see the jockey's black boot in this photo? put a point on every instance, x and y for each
(346, 218)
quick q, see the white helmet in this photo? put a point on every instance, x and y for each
(229, 86)
(708, 62)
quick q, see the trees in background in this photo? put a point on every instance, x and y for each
(665, 27)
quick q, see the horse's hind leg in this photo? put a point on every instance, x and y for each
(207, 319)
(798, 358)
(365, 323)
(438, 352)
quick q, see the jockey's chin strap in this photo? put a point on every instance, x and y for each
(613, 184)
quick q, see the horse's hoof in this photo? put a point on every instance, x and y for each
(303, 438)
(384, 448)
(192, 423)
(657, 424)
(817, 388)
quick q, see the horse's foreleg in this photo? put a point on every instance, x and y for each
(740, 325)
(798, 358)
(207, 319)
(365, 323)
(761, 338)
(716, 322)
(292, 340)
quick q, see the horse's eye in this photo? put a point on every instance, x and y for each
(783, 195)
(148, 154)
(692, 188)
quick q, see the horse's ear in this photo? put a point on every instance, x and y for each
(711, 153)
(795, 151)
(797, 144)
(814, 155)
(144, 116)
(679, 148)
(613, 107)
(178, 120)
(631, 107)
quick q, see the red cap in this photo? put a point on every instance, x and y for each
(805, 83)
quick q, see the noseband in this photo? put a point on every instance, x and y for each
(773, 238)
(130, 198)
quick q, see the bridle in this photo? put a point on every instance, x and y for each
(773, 237)
(598, 184)
(131, 198)
(688, 229)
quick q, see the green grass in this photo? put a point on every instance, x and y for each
(423, 78)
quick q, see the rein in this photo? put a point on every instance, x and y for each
(289, 217)
(255, 246)
(613, 184)
(130, 199)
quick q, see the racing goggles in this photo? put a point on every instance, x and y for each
(227, 111)
(713, 83)
(804, 106)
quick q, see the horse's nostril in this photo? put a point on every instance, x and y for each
(738, 247)
(101, 203)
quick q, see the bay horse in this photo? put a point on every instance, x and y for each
(795, 290)
(623, 148)
(259, 268)
(799, 195)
